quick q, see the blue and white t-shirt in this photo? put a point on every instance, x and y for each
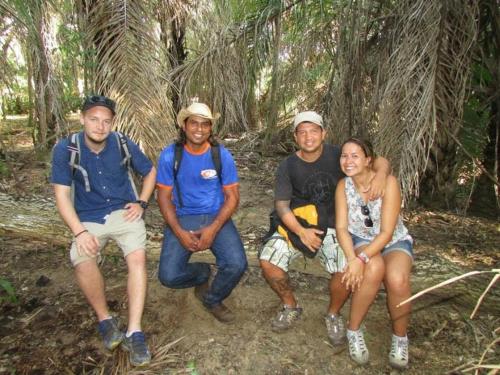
(200, 186)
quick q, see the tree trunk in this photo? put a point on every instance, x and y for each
(173, 32)
(485, 198)
(272, 107)
(451, 78)
(437, 188)
(31, 104)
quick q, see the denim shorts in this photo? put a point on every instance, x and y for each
(406, 245)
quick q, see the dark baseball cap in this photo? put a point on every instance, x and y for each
(99, 101)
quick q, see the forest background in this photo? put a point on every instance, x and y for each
(418, 78)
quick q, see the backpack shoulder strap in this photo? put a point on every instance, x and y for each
(74, 150)
(216, 159)
(126, 159)
(122, 143)
(178, 149)
(74, 159)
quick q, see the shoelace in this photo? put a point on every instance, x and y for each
(107, 327)
(138, 341)
(288, 314)
(357, 341)
(335, 323)
(400, 348)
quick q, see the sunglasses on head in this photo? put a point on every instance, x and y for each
(366, 211)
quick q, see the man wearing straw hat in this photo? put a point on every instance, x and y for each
(198, 192)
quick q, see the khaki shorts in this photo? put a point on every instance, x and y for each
(129, 235)
(279, 252)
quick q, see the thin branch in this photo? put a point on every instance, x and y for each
(480, 300)
(449, 281)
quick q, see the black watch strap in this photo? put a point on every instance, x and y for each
(143, 204)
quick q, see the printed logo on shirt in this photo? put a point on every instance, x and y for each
(208, 174)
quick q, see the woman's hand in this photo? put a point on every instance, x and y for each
(353, 274)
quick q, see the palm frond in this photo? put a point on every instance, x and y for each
(425, 89)
(129, 70)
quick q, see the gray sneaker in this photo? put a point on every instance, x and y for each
(285, 318)
(336, 330)
(398, 357)
(137, 348)
(110, 333)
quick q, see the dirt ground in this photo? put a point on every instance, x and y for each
(51, 329)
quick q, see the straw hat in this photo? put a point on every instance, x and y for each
(196, 109)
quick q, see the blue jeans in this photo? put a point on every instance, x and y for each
(176, 272)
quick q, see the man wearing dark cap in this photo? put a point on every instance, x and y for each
(96, 197)
(197, 196)
(306, 181)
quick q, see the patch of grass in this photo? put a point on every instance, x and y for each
(7, 292)
(4, 169)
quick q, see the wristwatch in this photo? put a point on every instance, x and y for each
(363, 257)
(143, 204)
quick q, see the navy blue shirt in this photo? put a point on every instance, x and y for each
(110, 186)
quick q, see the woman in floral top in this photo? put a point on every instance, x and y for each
(378, 249)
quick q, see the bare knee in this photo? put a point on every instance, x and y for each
(269, 269)
(397, 282)
(375, 269)
(87, 266)
(136, 259)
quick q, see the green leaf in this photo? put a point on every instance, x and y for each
(8, 288)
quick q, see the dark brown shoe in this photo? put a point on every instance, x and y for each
(222, 313)
(200, 290)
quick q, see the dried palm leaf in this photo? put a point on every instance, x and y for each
(129, 70)
(427, 73)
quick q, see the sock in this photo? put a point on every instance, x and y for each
(351, 332)
(109, 317)
(400, 338)
(128, 334)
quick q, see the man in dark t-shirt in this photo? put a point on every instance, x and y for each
(309, 177)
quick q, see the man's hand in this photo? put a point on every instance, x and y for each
(377, 187)
(206, 236)
(87, 244)
(189, 240)
(309, 237)
(133, 211)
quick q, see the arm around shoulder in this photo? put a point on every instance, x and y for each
(382, 169)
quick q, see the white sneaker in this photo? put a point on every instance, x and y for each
(398, 357)
(357, 347)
